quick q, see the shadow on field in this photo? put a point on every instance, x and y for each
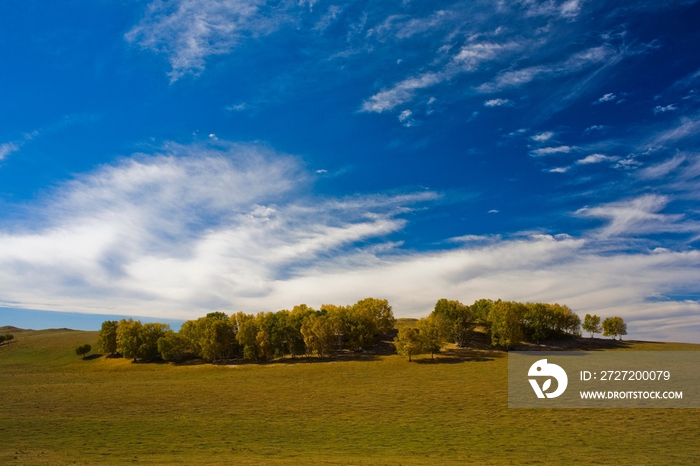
(572, 343)
(92, 356)
(456, 355)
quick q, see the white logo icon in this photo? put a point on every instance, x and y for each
(543, 369)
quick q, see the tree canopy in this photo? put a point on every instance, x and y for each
(82, 350)
(591, 324)
(614, 327)
(107, 338)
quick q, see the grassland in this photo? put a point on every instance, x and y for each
(56, 408)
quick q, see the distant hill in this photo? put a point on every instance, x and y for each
(11, 329)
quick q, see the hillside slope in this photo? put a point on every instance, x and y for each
(59, 409)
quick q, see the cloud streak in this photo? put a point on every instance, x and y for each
(190, 31)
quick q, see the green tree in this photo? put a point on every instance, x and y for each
(380, 312)
(292, 329)
(107, 338)
(269, 339)
(481, 309)
(129, 338)
(8, 337)
(433, 331)
(361, 327)
(613, 327)
(408, 342)
(340, 318)
(460, 318)
(591, 324)
(2, 339)
(217, 337)
(539, 321)
(174, 347)
(506, 323)
(149, 334)
(318, 334)
(246, 334)
(82, 350)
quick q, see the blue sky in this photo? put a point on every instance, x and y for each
(172, 158)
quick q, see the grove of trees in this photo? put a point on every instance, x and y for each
(262, 337)
(506, 323)
(306, 331)
(6, 338)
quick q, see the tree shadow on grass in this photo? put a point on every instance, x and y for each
(92, 356)
(572, 343)
(457, 355)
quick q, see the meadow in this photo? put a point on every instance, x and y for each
(56, 408)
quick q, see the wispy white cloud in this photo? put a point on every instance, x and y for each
(467, 59)
(573, 64)
(568, 9)
(327, 19)
(7, 148)
(664, 109)
(593, 128)
(687, 127)
(497, 103)
(627, 163)
(662, 169)
(237, 107)
(194, 228)
(400, 93)
(559, 170)
(405, 26)
(189, 31)
(638, 216)
(542, 137)
(406, 118)
(606, 98)
(597, 158)
(542, 151)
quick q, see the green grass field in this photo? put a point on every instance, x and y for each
(56, 408)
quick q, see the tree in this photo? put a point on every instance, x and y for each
(149, 334)
(173, 346)
(267, 340)
(460, 320)
(380, 312)
(539, 321)
(433, 331)
(292, 329)
(506, 323)
(408, 342)
(481, 310)
(318, 334)
(82, 350)
(129, 338)
(591, 324)
(246, 334)
(2, 339)
(217, 315)
(614, 326)
(8, 337)
(107, 338)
